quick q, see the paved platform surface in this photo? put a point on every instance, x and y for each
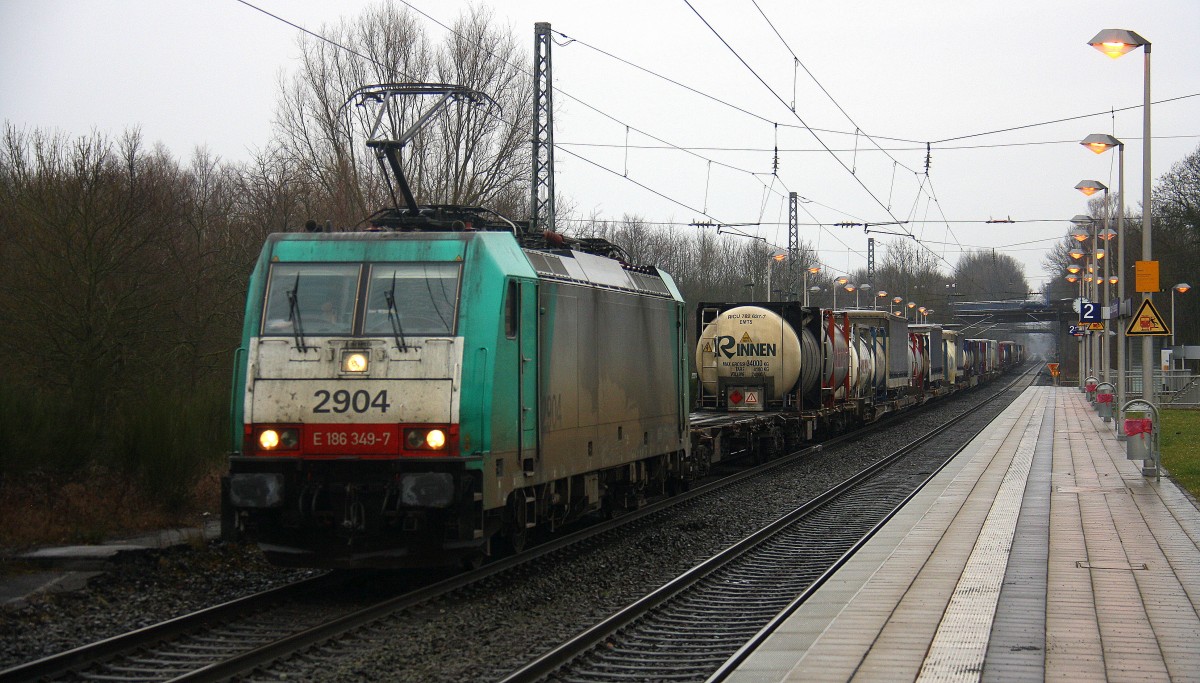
(1039, 553)
(64, 568)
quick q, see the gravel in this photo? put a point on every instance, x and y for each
(141, 589)
(482, 635)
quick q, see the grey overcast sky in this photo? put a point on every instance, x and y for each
(947, 72)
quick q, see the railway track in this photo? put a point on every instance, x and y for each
(248, 635)
(699, 626)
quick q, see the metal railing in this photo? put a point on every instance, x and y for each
(1172, 388)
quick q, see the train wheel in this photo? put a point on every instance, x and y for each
(516, 532)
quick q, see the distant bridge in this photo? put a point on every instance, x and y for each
(1020, 316)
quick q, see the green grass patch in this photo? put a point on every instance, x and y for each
(1180, 442)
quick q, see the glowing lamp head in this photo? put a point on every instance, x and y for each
(850, 288)
(1072, 279)
(1073, 269)
(843, 280)
(1090, 187)
(1182, 287)
(1100, 142)
(882, 294)
(912, 304)
(814, 269)
(1075, 254)
(897, 299)
(1115, 42)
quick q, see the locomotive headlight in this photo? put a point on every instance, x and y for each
(436, 439)
(284, 439)
(268, 439)
(425, 439)
(354, 361)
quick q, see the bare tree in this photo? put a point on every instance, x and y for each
(471, 155)
(990, 276)
(86, 249)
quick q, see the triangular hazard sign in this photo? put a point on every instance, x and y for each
(1147, 322)
(707, 347)
(746, 338)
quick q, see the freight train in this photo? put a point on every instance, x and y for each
(442, 383)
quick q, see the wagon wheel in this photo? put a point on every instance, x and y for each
(517, 532)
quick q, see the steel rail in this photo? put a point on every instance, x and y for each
(109, 648)
(557, 659)
(247, 660)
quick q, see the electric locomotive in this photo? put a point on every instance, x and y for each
(444, 382)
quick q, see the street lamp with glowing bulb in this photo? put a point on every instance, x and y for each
(811, 270)
(1182, 288)
(1115, 42)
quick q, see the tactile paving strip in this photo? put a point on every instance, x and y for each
(960, 644)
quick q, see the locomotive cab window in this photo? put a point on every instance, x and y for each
(412, 298)
(311, 298)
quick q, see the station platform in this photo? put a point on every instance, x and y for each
(1039, 553)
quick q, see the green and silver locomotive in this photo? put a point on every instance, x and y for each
(443, 383)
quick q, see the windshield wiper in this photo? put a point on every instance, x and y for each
(294, 314)
(394, 316)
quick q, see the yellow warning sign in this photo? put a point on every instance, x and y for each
(746, 338)
(1053, 369)
(1096, 326)
(707, 347)
(1147, 322)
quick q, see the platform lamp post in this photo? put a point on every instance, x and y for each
(911, 305)
(775, 256)
(1101, 143)
(864, 287)
(811, 270)
(1073, 277)
(852, 289)
(1080, 234)
(895, 302)
(838, 284)
(921, 317)
(1182, 288)
(813, 289)
(1099, 347)
(1115, 42)
(881, 294)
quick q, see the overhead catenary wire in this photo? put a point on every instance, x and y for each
(768, 185)
(771, 90)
